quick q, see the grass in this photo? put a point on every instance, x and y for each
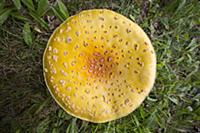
(173, 105)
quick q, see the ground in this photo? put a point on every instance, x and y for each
(172, 106)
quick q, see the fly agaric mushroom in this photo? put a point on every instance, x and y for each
(99, 66)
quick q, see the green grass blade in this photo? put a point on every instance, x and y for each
(17, 4)
(42, 7)
(57, 13)
(39, 20)
(174, 100)
(2, 4)
(27, 35)
(42, 105)
(68, 129)
(132, 17)
(172, 6)
(43, 126)
(135, 120)
(72, 128)
(181, 5)
(63, 9)
(151, 119)
(17, 15)
(29, 4)
(4, 15)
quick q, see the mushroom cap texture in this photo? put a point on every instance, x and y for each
(99, 65)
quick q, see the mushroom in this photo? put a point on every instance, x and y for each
(99, 65)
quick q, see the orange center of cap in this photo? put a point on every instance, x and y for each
(99, 65)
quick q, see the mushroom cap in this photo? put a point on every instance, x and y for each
(99, 65)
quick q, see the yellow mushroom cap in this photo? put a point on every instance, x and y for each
(99, 65)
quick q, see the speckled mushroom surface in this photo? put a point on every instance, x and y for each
(99, 65)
